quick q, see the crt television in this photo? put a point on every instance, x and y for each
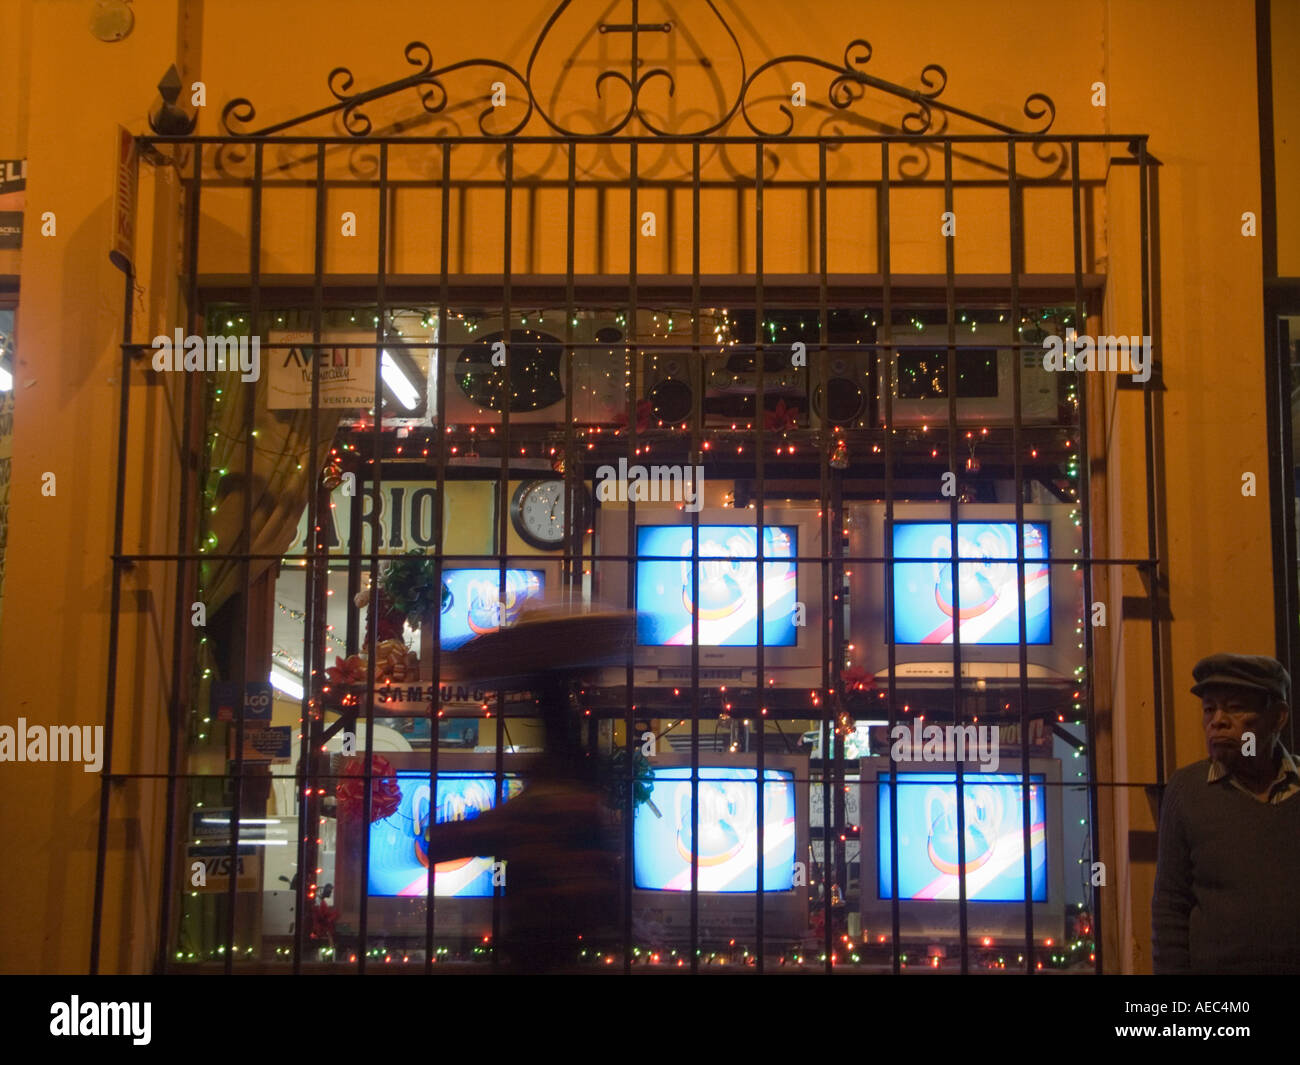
(723, 593)
(981, 608)
(930, 862)
(722, 841)
(473, 603)
(396, 879)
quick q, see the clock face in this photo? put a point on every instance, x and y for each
(537, 513)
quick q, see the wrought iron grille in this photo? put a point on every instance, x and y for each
(843, 408)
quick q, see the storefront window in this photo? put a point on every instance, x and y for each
(428, 539)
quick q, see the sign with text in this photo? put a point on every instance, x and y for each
(13, 196)
(346, 372)
(816, 804)
(210, 824)
(217, 865)
(269, 746)
(126, 173)
(405, 517)
(225, 697)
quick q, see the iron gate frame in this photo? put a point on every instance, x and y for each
(200, 292)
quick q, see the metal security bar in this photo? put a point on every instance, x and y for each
(822, 461)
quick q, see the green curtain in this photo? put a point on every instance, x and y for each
(284, 473)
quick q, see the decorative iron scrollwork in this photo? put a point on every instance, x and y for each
(848, 85)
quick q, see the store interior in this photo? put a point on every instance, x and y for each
(823, 542)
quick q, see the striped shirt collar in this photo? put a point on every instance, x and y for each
(1285, 784)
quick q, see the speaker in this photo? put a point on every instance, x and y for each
(846, 399)
(669, 387)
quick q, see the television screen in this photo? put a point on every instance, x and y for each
(472, 603)
(928, 860)
(728, 831)
(924, 599)
(398, 859)
(666, 596)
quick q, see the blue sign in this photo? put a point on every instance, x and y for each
(257, 701)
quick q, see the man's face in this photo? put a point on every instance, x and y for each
(1228, 714)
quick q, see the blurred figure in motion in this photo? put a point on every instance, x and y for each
(561, 849)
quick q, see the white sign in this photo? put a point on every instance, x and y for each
(852, 804)
(347, 373)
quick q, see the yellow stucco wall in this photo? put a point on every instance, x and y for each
(57, 591)
(1153, 56)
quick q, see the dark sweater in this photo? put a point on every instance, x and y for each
(1226, 896)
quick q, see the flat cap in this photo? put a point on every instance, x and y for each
(1258, 672)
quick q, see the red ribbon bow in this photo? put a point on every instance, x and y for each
(385, 795)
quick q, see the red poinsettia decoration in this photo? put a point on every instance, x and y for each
(385, 795)
(817, 922)
(323, 919)
(350, 670)
(391, 620)
(857, 679)
(644, 409)
(781, 417)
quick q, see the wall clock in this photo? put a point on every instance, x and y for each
(537, 513)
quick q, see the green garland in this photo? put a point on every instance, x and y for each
(411, 585)
(614, 782)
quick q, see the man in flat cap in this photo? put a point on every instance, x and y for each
(1228, 870)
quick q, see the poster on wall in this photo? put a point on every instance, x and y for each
(13, 197)
(347, 374)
